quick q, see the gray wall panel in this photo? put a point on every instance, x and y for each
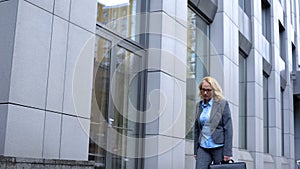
(8, 16)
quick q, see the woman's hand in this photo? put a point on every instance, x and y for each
(226, 158)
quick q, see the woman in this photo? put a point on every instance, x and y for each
(213, 126)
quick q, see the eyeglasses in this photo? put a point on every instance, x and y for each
(206, 90)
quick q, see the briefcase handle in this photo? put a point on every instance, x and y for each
(226, 162)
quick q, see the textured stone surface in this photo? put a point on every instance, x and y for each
(32, 163)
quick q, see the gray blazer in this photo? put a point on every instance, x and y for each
(221, 121)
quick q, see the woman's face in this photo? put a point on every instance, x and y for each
(206, 91)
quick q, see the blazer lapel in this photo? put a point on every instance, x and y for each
(214, 110)
(215, 115)
(199, 111)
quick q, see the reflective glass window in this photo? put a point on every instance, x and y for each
(197, 64)
(242, 101)
(117, 100)
(282, 120)
(100, 103)
(266, 112)
(123, 17)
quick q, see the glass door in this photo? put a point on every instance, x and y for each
(117, 102)
(100, 100)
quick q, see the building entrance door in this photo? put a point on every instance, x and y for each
(117, 102)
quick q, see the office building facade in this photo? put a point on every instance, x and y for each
(114, 84)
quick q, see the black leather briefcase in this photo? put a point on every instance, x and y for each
(232, 165)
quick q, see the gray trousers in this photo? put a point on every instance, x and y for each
(206, 156)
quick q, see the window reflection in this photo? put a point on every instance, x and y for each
(100, 99)
(266, 112)
(282, 121)
(121, 16)
(197, 64)
(242, 101)
(126, 98)
(117, 95)
(113, 3)
(265, 20)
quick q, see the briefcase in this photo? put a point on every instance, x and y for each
(226, 165)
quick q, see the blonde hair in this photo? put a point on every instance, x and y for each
(216, 89)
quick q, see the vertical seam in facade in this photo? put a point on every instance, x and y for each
(53, 7)
(61, 122)
(70, 6)
(47, 81)
(64, 87)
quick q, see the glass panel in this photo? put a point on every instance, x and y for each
(264, 21)
(242, 102)
(291, 12)
(121, 16)
(266, 113)
(126, 117)
(197, 64)
(116, 102)
(100, 100)
(282, 121)
(282, 36)
(294, 59)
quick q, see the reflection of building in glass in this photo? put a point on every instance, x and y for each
(191, 44)
(119, 18)
(98, 135)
